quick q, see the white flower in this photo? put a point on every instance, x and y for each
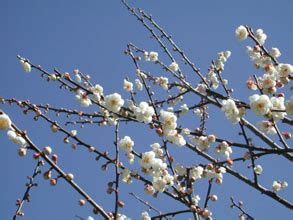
(276, 186)
(201, 142)
(90, 218)
(153, 56)
(147, 158)
(144, 112)
(260, 104)
(284, 69)
(157, 149)
(267, 127)
(73, 133)
(196, 172)
(284, 185)
(127, 86)
(275, 52)
(138, 84)
(289, 106)
(241, 33)
(114, 102)
(26, 66)
(175, 138)
(146, 56)
(231, 111)
(184, 109)
(15, 138)
(97, 91)
(159, 184)
(268, 81)
(126, 144)
(169, 121)
(260, 36)
(258, 169)
(224, 149)
(5, 121)
(130, 158)
(145, 216)
(174, 67)
(163, 82)
(83, 99)
(122, 217)
(278, 104)
(126, 176)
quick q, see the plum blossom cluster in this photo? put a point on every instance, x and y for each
(143, 112)
(218, 67)
(232, 112)
(156, 168)
(202, 142)
(169, 125)
(127, 144)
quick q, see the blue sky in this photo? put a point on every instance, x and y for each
(91, 36)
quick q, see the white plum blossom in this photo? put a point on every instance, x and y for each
(258, 169)
(127, 86)
(126, 176)
(130, 157)
(156, 148)
(169, 121)
(241, 33)
(224, 149)
(268, 81)
(114, 102)
(276, 186)
(202, 142)
(284, 69)
(267, 127)
(5, 122)
(144, 112)
(260, 36)
(26, 66)
(138, 84)
(260, 104)
(16, 138)
(215, 172)
(184, 109)
(278, 104)
(147, 159)
(122, 217)
(145, 216)
(175, 138)
(90, 218)
(163, 82)
(83, 99)
(196, 172)
(126, 144)
(174, 66)
(231, 111)
(275, 52)
(97, 91)
(289, 106)
(159, 184)
(153, 56)
(146, 56)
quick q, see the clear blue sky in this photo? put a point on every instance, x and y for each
(91, 36)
